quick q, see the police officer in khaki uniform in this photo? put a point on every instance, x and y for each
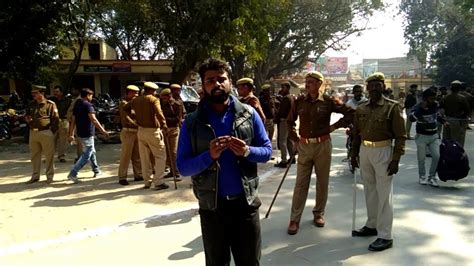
(314, 146)
(129, 139)
(176, 92)
(267, 102)
(378, 143)
(174, 114)
(245, 89)
(61, 136)
(151, 125)
(457, 111)
(42, 117)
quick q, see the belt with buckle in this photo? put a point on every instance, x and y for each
(130, 129)
(39, 129)
(377, 144)
(233, 197)
(316, 140)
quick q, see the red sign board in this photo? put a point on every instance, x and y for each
(121, 67)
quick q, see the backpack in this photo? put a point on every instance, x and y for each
(453, 162)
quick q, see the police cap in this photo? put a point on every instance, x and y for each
(243, 81)
(266, 86)
(38, 88)
(377, 76)
(175, 86)
(165, 91)
(150, 85)
(316, 75)
(132, 88)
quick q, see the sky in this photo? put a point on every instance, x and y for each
(384, 39)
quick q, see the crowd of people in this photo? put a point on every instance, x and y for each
(220, 144)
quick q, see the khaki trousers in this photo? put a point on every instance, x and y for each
(378, 188)
(456, 130)
(130, 152)
(42, 142)
(284, 143)
(317, 155)
(151, 144)
(61, 138)
(270, 128)
(172, 134)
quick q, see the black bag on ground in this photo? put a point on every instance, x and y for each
(453, 162)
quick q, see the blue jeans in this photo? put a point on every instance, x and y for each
(432, 142)
(88, 154)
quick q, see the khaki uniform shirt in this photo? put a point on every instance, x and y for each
(44, 115)
(148, 113)
(377, 122)
(71, 108)
(126, 120)
(455, 105)
(253, 101)
(315, 116)
(173, 111)
(180, 100)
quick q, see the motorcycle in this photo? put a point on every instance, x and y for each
(13, 123)
(5, 126)
(106, 112)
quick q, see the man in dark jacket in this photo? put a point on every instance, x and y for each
(410, 102)
(269, 108)
(220, 145)
(284, 143)
(426, 115)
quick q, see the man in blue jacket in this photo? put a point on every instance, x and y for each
(220, 145)
(426, 115)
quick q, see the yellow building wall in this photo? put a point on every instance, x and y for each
(107, 52)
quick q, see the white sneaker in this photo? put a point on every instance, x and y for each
(74, 179)
(423, 180)
(433, 181)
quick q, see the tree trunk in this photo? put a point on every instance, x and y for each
(74, 65)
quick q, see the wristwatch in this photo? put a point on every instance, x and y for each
(247, 151)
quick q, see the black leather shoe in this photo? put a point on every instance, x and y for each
(161, 187)
(281, 165)
(138, 178)
(365, 231)
(168, 175)
(123, 182)
(62, 160)
(31, 181)
(381, 244)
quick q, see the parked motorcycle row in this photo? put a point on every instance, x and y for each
(13, 123)
(107, 112)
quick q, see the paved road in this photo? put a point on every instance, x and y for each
(101, 223)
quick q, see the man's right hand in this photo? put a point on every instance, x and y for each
(218, 145)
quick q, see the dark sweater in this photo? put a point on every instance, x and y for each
(426, 119)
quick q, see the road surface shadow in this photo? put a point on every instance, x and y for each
(195, 247)
(180, 217)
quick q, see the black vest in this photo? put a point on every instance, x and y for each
(205, 184)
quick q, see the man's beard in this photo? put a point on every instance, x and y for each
(218, 96)
(375, 95)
